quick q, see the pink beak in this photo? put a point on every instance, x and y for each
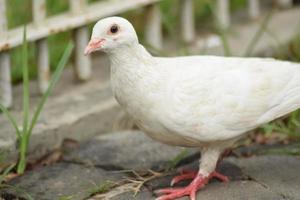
(93, 45)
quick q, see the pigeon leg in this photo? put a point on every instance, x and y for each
(199, 182)
(206, 172)
(189, 174)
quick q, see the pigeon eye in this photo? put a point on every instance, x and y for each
(114, 29)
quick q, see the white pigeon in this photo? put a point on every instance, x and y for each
(207, 102)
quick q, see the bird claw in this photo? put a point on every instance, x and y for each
(190, 190)
(189, 174)
(185, 175)
(219, 176)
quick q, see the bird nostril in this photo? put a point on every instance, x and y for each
(93, 45)
(96, 42)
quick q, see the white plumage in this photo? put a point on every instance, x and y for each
(195, 101)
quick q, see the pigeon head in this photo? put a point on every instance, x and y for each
(111, 33)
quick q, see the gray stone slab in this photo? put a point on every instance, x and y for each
(265, 177)
(279, 173)
(125, 150)
(236, 190)
(143, 195)
(239, 187)
(229, 169)
(250, 178)
(61, 180)
(129, 196)
(292, 148)
(255, 178)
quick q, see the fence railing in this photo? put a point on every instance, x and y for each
(76, 19)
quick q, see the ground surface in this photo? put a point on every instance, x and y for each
(106, 160)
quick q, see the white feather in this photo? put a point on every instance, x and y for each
(203, 98)
(197, 101)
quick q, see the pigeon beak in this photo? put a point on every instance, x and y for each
(93, 45)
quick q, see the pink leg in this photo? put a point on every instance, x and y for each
(190, 190)
(189, 174)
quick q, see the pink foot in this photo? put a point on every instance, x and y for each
(189, 174)
(184, 175)
(190, 190)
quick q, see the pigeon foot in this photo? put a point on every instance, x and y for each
(190, 190)
(190, 174)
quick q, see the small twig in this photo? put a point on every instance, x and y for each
(140, 180)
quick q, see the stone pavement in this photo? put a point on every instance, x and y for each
(106, 163)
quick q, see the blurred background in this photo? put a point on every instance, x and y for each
(82, 104)
(19, 12)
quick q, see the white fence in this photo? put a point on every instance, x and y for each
(79, 16)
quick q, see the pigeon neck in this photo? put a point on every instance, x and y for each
(129, 54)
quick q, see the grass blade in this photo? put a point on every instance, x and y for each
(5, 172)
(25, 83)
(18, 190)
(11, 119)
(221, 31)
(259, 33)
(178, 158)
(224, 39)
(56, 75)
(24, 136)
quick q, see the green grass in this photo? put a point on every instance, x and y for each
(102, 188)
(21, 192)
(290, 125)
(66, 197)
(176, 160)
(5, 172)
(24, 133)
(258, 34)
